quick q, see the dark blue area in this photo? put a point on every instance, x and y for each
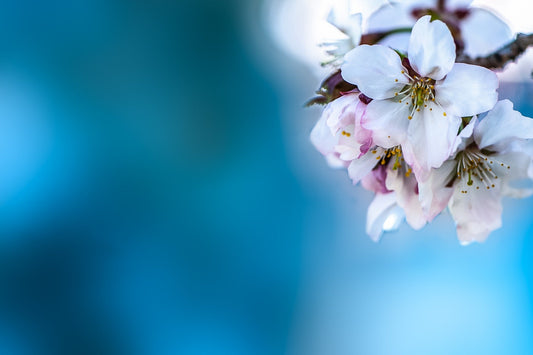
(158, 214)
(151, 203)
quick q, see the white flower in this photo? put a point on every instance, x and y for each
(480, 31)
(384, 215)
(418, 104)
(350, 25)
(340, 137)
(475, 179)
(338, 134)
(384, 172)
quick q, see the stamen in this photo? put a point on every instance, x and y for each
(474, 166)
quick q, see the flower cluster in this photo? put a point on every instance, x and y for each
(421, 130)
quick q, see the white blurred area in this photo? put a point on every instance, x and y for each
(299, 26)
(517, 14)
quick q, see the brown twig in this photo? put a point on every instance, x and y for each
(504, 55)
(334, 85)
(375, 37)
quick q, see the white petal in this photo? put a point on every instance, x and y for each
(467, 234)
(334, 162)
(501, 126)
(514, 192)
(431, 48)
(516, 166)
(433, 193)
(350, 24)
(361, 167)
(483, 33)
(389, 17)
(406, 189)
(388, 121)
(397, 41)
(383, 215)
(375, 181)
(325, 141)
(322, 138)
(354, 29)
(476, 213)
(376, 70)
(342, 112)
(348, 147)
(414, 4)
(431, 137)
(467, 90)
(457, 4)
(337, 49)
(465, 137)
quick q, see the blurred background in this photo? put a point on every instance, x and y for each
(159, 195)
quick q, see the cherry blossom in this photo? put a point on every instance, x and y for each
(482, 171)
(384, 172)
(418, 102)
(338, 134)
(416, 127)
(349, 25)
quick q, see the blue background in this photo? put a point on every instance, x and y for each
(159, 195)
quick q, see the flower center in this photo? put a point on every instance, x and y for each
(390, 154)
(422, 90)
(417, 93)
(477, 169)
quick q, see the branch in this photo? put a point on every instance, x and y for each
(331, 89)
(504, 55)
(334, 85)
(375, 37)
